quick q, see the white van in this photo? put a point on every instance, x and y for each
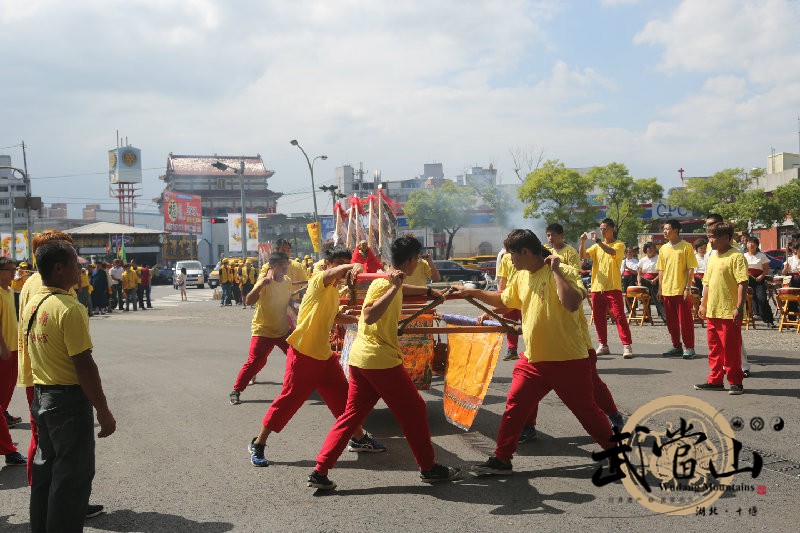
(194, 273)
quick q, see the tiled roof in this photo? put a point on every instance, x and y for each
(200, 165)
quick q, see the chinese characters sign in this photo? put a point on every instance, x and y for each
(182, 213)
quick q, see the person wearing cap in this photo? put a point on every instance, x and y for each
(247, 275)
(20, 277)
(225, 281)
(364, 255)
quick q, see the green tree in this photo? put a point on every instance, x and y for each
(559, 194)
(623, 197)
(788, 198)
(753, 208)
(706, 195)
(446, 209)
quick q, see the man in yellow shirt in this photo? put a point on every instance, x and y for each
(426, 270)
(270, 325)
(377, 372)
(310, 364)
(296, 272)
(607, 255)
(130, 282)
(66, 388)
(724, 290)
(8, 361)
(22, 275)
(550, 296)
(225, 281)
(676, 264)
(247, 274)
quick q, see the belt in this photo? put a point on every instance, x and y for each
(649, 276)
(755, 271)
(56, 387)
(629, 273)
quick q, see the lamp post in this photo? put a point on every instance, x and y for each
(311, 162)
(245, 230)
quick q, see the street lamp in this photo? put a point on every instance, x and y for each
(245, 230)
(311, 162)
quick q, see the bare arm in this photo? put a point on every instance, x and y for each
(344, 319)
(606, 248)
(495, 299)
(334, 274)
(375, 310)
(253, 296)
(582, 247)
(89, 379)
(435, 276)
(740, 299)
(570, 297)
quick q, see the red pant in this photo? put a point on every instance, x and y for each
(602, 396)
(8, 380)
(724, 350)
(530, 382)
(678, 315)
(303, 376)
(260, 347)
(401, 396)
(512, 339)
(601, 301)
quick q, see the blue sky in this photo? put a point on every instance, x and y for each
(656, 85)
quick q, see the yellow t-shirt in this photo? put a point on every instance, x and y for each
(376, 345)
(606, 275)
(8, 319)
(319, 266)
(18, 283)
(551, 332)
(269, 318)
(506, 268)
(420, 275)
(723, 275)
(570, 256)
(315, 319)
(674, 263)
(130, 279)
(296, 272)
(85, 279)
(60, 331)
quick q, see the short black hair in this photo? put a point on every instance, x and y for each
(756, 240)
(276, 257)
(722, 229)
(716, 217)
(52, 253)
(337, 252)
(555, 227)
(608, 222)
(647, 246)
(674, 224)
(282, 242)
(7, 261)
(523, 238)
(405, 248)
(700, 242)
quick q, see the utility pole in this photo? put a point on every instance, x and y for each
(360, 174)
(27, 181)
(334, 195)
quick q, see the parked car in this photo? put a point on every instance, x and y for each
(194, 273)
(162, 276)
(452, 271)
(490, 267)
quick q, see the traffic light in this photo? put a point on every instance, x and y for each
(219, 220)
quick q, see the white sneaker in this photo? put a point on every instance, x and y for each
(602, 349)
(627, 351)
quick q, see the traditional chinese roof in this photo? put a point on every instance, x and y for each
(110, 228)
(200, 165)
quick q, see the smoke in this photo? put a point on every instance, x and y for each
(514, 219)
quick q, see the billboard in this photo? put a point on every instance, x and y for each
(125, 165)
(235, 232)
(21, 245)
(182, 213)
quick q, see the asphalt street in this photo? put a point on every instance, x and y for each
(178, 461)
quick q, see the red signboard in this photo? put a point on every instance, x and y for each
(182, 213)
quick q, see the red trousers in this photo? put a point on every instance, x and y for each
(530, 382)
(678, 315)
(601, 301)
(401, 396)
(260, 347)
(303, 376)
(724, 350)
(8, 380)
(602, 396)
(512, 339)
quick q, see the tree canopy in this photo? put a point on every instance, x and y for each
(446, 209)
(559, 194)
(706, 195)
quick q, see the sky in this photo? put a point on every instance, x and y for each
(656, 85)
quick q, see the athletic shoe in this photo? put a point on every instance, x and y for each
(318, 481)
(528, 434)
(511, 354)
(234, 397)
(440, 474)
(617, 421)
(746, 373)
(602, 349)
(688, 353)
(16, 459)
(493, 466)
(627, 351)
(709, 386)
(94, 510)
(257, 454)
(736, 390)
(367, 444)
(12, 420)
(674, 352)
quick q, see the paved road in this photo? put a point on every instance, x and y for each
(178, 460)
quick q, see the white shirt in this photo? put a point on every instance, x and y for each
(629, 264)
(794, 264)
(116, 274)
(756, 261)
(701, 263)
(647, 265)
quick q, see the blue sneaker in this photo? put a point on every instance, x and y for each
(367, 444)
(528, 434)
(257, 454)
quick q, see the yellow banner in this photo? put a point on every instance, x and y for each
(316, 236)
